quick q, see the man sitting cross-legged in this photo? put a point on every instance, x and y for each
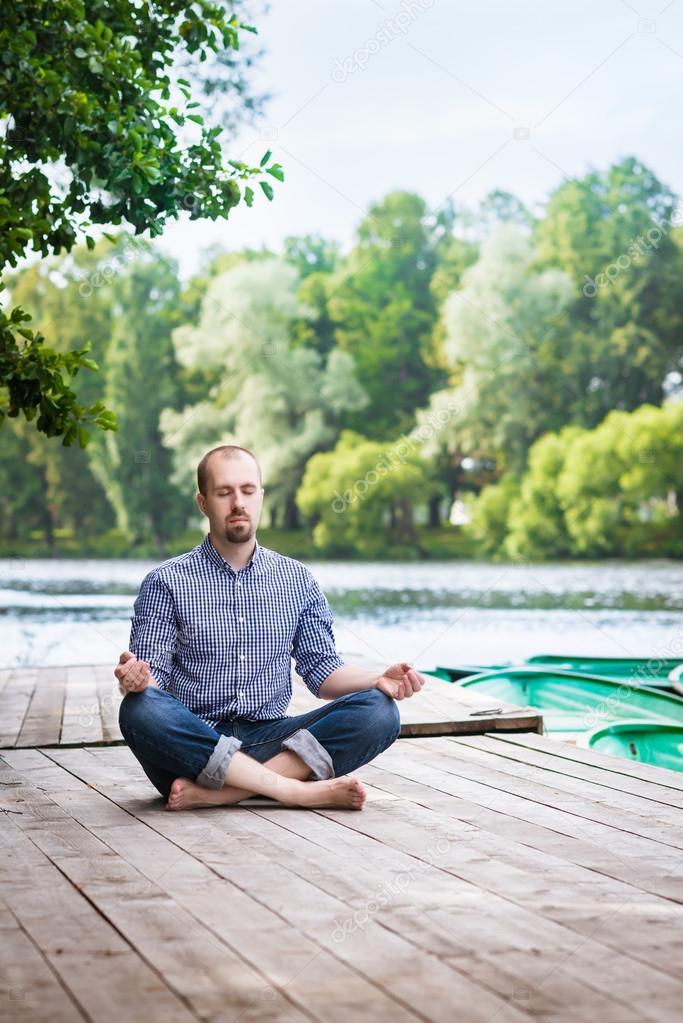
(207, 679)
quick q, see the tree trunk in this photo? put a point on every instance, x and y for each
(291, 514)
(405, 527)
(434, 519)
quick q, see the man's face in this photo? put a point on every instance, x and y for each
(234, 498)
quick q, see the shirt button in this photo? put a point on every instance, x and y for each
(241, 619)
(242, 656)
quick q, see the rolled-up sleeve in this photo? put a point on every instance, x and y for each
(313, 647)
(154, 631)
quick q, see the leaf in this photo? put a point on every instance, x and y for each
(276, 171)
(265, 158)
(267, 189)
(249, 196)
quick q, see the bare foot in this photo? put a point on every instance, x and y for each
(186, 795)
(335, 792)
(345, 792)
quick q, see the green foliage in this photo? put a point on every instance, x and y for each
(468, 335)
(100, 131)
(385, 311)
(536, 522)
(35, 378)
(490, 514)
(615, 235)
(506, 330)
(141, 375)
(284, 401)
(610, 491)
(357, 495)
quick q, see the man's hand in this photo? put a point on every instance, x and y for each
(133, 675)
(400, 680)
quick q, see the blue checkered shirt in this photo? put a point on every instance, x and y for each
(222, 641)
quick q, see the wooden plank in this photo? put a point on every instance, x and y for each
(104, 978)
(88, 699)
(443, 709)
(16, 698)
(627, 812)
(440, 913)
(243, 843)
(381, 958)
(529, 813)
(183, 917)
(617, 765)
(529, 866)
(109, 699)
(81, 720)
(30, 992)
(547, 759)
(43, 720)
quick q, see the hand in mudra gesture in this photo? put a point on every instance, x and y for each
(133, 675)
(400, 681)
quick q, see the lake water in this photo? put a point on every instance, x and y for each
(78, 612)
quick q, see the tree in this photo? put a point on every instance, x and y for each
(141, 376)
(505, 335)
(100, 129)
(491, 513)
(385, 311)
(536, 526)
(615, 234)
(285, 403)
(614, 490)
(71, 296)
(359, 496)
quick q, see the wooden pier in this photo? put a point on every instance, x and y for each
(78, 705)
(491, 878)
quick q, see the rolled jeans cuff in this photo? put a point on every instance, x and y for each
(213, 773)
(306, 746)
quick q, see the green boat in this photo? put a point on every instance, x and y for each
(648, 742)
(461, 671)
(653, 672)
(646, 671)
(572, 703)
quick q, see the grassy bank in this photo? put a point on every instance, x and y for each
(446, 542)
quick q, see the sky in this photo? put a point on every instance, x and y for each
(447, 99)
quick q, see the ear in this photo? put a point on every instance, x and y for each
(201, 503)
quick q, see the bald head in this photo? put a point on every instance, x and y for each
(208, 465)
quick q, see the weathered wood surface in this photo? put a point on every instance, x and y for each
(78, 706)
(488, 878)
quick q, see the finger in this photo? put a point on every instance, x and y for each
(126, 656)
(415, 681)
(130, 667)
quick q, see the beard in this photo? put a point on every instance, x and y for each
(239, 532)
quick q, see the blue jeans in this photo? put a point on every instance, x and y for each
(171, 742)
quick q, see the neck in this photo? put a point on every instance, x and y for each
(237, 555)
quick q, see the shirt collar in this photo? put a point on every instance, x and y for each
(210, 552)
